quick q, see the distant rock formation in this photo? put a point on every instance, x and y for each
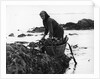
(71, 26)
(83, 24)
(21, 35)
(73, 34)
(11, 35)
(29, 35)
(86, 24)
(37, 29)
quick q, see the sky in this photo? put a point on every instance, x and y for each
(24, 17)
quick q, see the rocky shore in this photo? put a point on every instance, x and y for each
(22, 59)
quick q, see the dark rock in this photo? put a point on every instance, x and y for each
(83, 47)
(88, 60)
(75, 46)
(36, 35)
(71, 26)
(29, 35)
(86, 24)
(11, 35)
(42, 34)
(21, 35)
(37, 29)
(21, 60)
(33, 44)
(73, 34)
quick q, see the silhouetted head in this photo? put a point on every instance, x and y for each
(44, 15)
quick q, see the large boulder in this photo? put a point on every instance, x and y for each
(86, 24)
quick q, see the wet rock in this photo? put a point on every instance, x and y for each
(86, 24)
(83, 47)
(82, 24)
(21, 60)
(88, 60)
(29, 35)
(36, 35)
(75, 46)
(33, 44)
(11, 35)
(21, 35)
(73, 34)
(41, 34)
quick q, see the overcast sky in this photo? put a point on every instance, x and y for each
(27, 16)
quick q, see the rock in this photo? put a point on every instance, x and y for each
(11, 35)
(29, 35)
(36, 35)
(86, 24)
(88, 60)
(21, 35)
(83, 47)
(71, 26)
(41, 34)
(33, 44)
(37, 29)
(21, 60)
(73, 34)
(75, 46)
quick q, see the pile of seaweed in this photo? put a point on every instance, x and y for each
(21, 59)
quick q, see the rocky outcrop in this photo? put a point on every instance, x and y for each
(71, 26)
(23, 60)
(83, 24)
(37, 29)
(86, 24)
(21, 35)
(11, 35)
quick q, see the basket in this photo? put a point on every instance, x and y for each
(55, 50)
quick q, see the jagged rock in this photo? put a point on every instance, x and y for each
(73, 34)
(21, 60)
(86, 24)
(33, 44)
(21, 35)
(29, 35)
(37, 29)
(82, 24)
(11, 35)
(75, 46)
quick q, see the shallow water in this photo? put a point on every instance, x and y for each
(82, 46)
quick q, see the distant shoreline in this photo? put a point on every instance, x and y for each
(84, 24)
